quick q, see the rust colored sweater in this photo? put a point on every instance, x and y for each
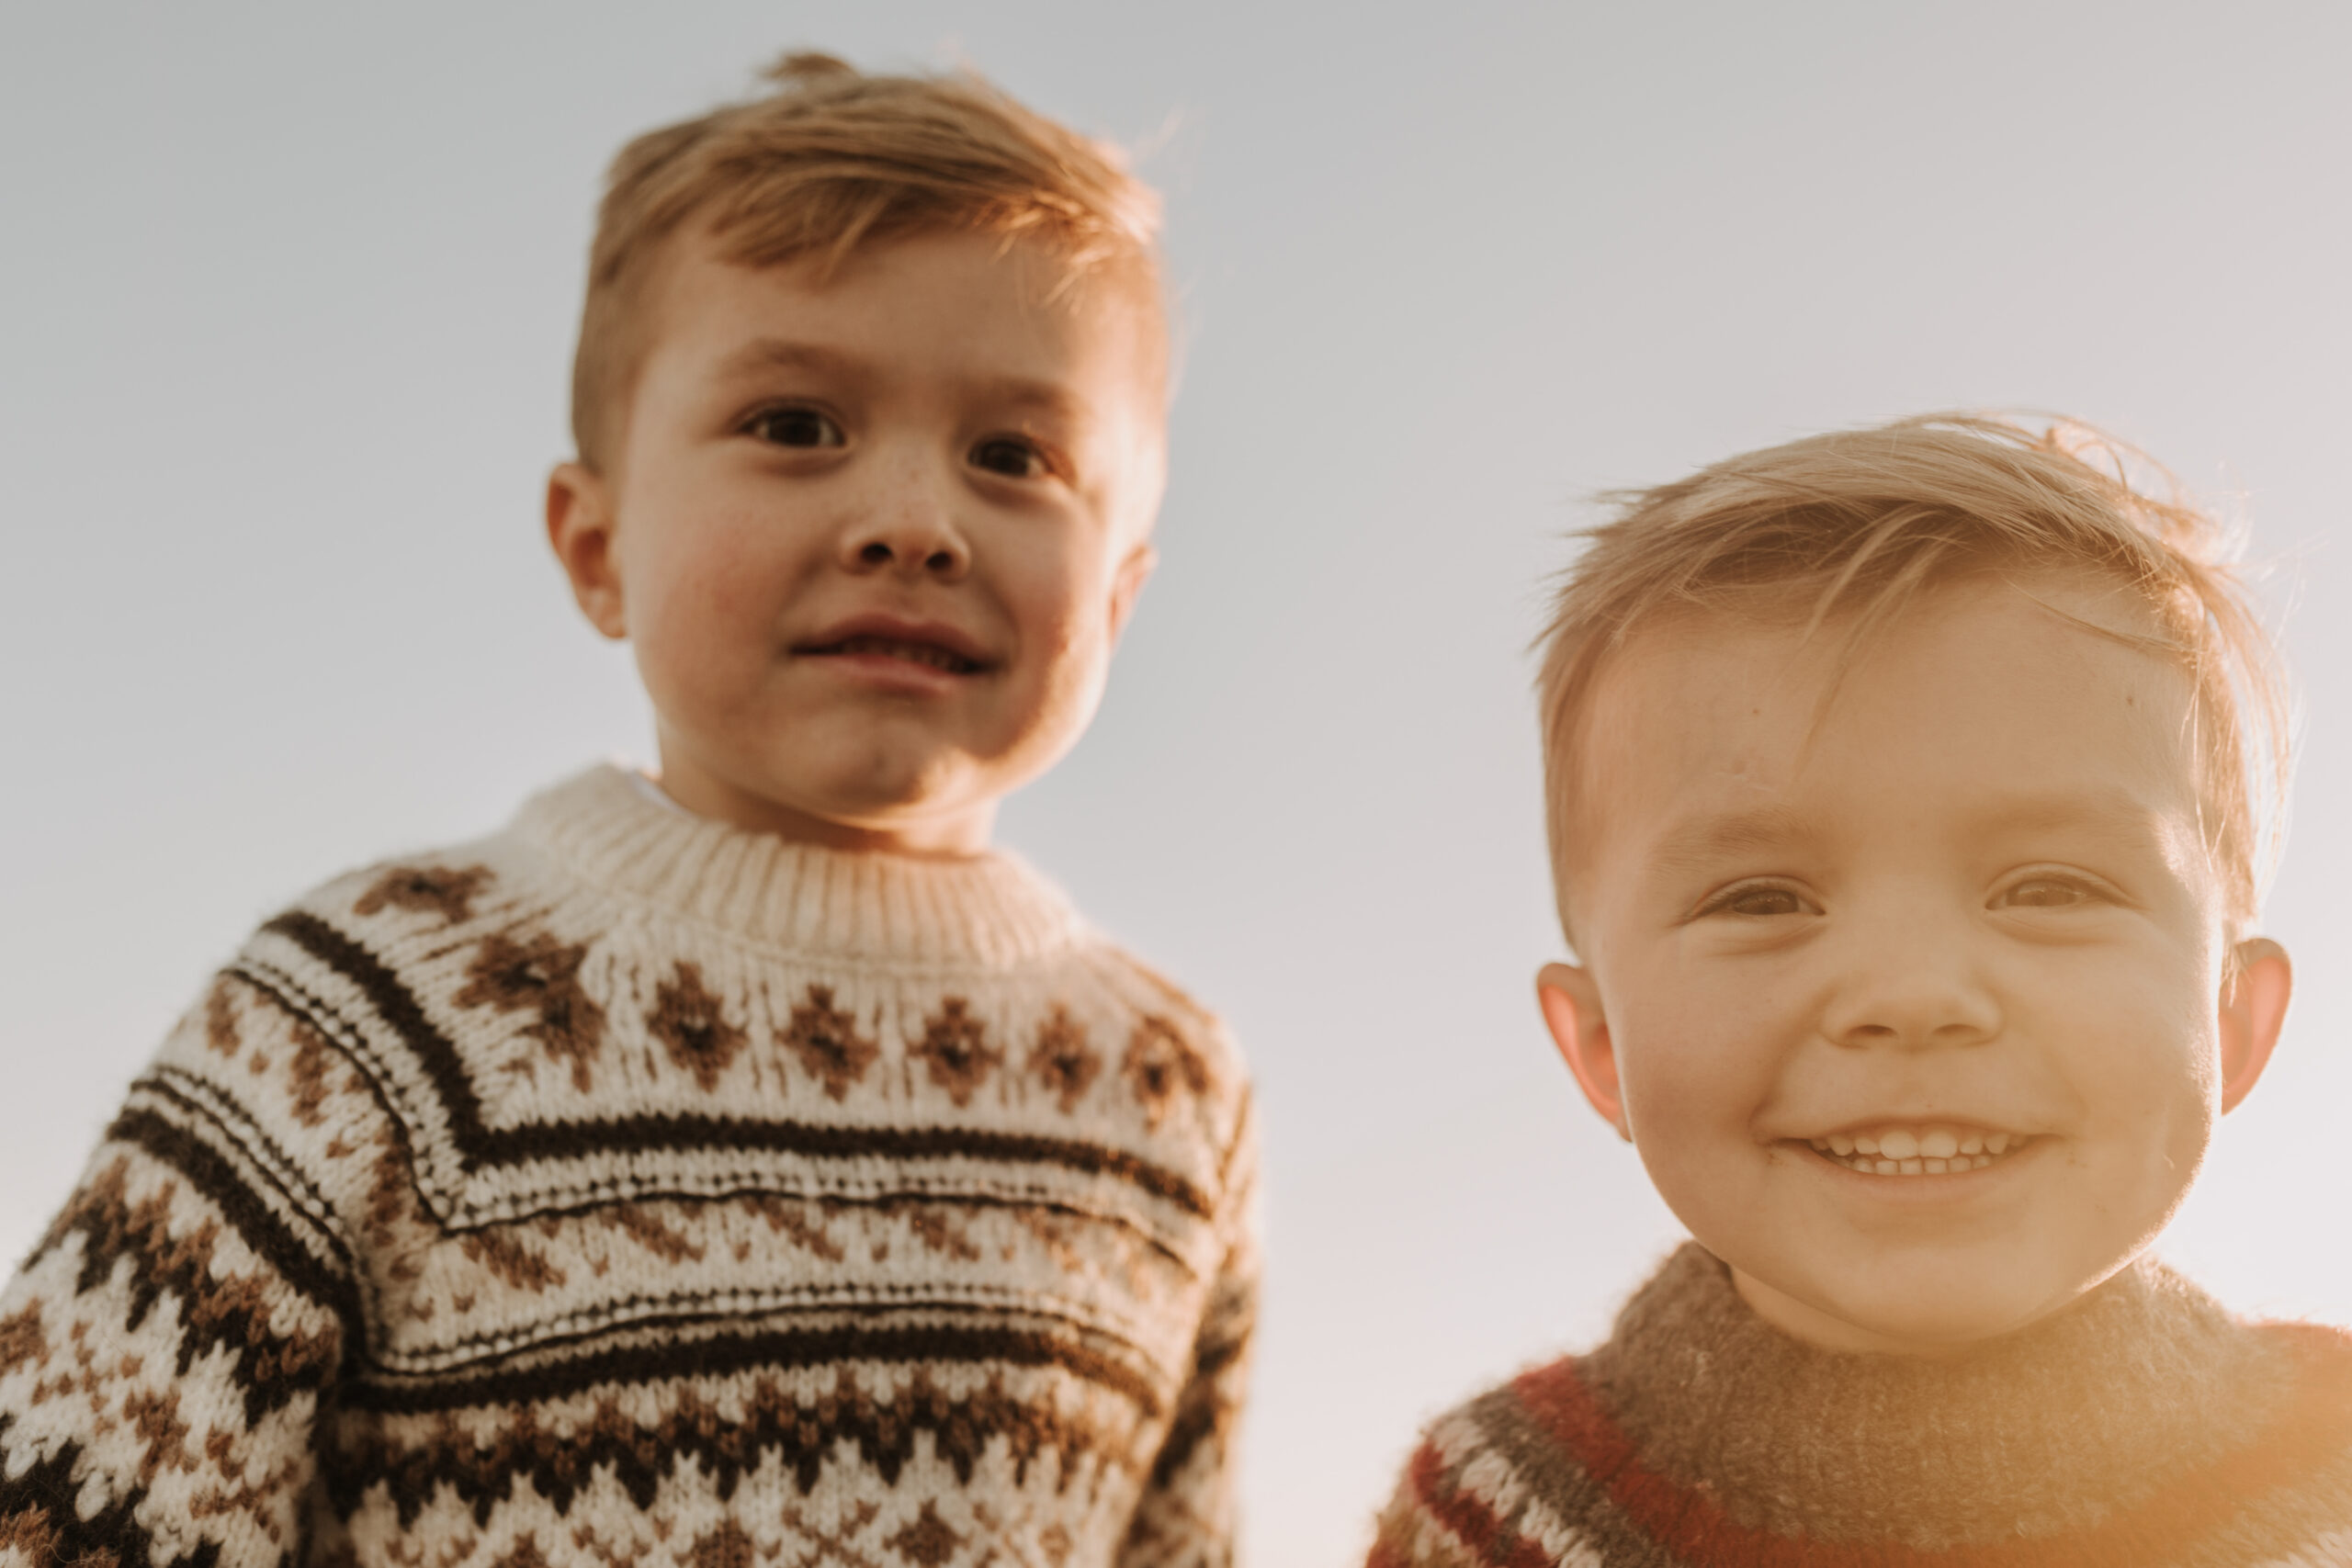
(628, 1190)
(2144, 1428)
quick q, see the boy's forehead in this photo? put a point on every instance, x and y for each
(972, 303)
(1984, 693)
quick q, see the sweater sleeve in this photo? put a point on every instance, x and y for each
(168, 1347)
(1187, 1517)
(1432, 1521)
(1406, 1535)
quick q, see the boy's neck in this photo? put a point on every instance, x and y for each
(957, 835)
(1811, 1326)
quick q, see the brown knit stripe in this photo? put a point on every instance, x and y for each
(1411, 1536)
(172, 1259)
(1209, 1406)
(2314, 1429)
(1206, 1415)
(1244, 1140)
(42, 1516)
(631, 1316)
(1483, 1536)
(850, 1203)
(717, 1442)
(767, 1351)
(928, 1520)
(481, 1146)
(256, 1223)
(1393, 1548)
(188, 1103)
(1570, 1492)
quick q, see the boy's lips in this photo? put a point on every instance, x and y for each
(932, 646)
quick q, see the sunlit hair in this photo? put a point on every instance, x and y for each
(1843, 530)
(829, 161)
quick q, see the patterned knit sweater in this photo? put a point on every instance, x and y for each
(2143, 1429)
(626, 1189)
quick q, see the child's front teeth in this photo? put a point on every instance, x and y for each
(1917, 1150)
(912, 652)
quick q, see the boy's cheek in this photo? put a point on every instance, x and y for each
(1687, 1096)
(1681, 1028)
(710, 603)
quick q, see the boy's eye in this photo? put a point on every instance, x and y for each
(2046, 893)
(1010, 456)
(1759, 902)
(796, 427)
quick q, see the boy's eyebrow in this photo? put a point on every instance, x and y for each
(2120, 816)
(783, 354)
(768, 354)
(1704, 841)
(2116, 814)
(2102, 808)
(1044, 396)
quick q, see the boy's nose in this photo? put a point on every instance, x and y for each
(1918, 993)
(910, 529)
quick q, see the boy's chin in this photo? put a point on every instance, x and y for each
(936, 801)
(939, 819)
(894, 772)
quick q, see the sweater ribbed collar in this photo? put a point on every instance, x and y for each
(988, 910)
(2038, 1433)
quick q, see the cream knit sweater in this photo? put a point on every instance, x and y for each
(626, 1189)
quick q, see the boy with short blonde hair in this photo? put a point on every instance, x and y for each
(1904, 794)
(747, 1165)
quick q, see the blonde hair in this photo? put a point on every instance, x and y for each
(830, 160)
(1851, 526)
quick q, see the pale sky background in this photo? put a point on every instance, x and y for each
(287, 301)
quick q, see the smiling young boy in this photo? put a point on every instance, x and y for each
(742, 1164)
(1902, 791)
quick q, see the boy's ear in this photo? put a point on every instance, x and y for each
(1132, 573)
(1571, 1005)
(2254, 1006)
(580, 530)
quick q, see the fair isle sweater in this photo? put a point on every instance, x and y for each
(2143, 1429)
(628, 1190)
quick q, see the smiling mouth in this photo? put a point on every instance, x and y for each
(928, 654)
(1929, 1150)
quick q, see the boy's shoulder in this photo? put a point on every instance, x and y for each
(1488, 1483)
(2207, 1441)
